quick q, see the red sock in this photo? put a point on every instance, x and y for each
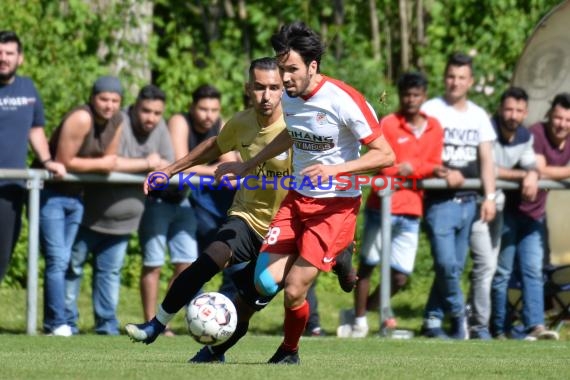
(295, 321)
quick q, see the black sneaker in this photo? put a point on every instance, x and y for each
(283, 356)
(145, 332)
(343, 269)
(205, 355)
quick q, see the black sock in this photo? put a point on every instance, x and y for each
(189, 282)
(241, 330)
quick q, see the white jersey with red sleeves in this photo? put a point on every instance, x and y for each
(327, 127)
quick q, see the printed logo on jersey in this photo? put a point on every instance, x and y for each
(311, 142)
(321, 118)
(402, 140)
(262, 171)
(12, 103)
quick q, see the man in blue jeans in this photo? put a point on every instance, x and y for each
(113, 212)
(450, 213)
(522, 240)
(76, 145)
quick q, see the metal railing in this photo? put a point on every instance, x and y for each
(35, 179)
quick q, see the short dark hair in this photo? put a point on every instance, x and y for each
(206, 91)
(459, 59)
(298, 37)
(265, 63)
(562, 99)
(517, 93)
(151, 92)
(10, 36)
(411, 80)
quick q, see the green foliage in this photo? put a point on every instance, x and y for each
(493, 32)
(61, 43)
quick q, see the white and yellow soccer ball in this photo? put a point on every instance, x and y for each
(211, 318)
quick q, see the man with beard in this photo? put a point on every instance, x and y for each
(327, 121)
(523, 234)
(85, 141)
(21, 120)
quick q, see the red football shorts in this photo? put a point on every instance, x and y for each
(316, 228)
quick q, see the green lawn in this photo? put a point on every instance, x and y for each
(94, 357)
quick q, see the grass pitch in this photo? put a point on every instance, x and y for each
(89, 356)
(96, 357)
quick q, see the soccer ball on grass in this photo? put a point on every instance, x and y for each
(211, 318)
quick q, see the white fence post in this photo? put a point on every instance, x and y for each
(385, 280)
(34, 185)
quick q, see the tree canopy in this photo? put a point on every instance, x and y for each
(180, 45)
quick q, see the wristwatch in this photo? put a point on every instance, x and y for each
(491, 197)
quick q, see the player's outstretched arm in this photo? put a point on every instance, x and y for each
(206, 151)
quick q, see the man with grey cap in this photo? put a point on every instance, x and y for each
(86, 141)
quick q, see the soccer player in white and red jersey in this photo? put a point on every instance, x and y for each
(327, 121)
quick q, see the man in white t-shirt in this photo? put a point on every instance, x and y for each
(450, 213)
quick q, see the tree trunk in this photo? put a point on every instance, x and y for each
(242, 13)
(404, 35)
(212, 13)
(375, 30)
(339, 21)
(132, 39)
(420, 31)
(229, 9)
(388, 34)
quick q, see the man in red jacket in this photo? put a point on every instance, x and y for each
(417, 141)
